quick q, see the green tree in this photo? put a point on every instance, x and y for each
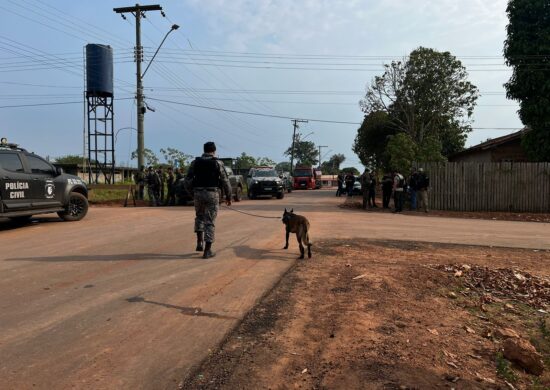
(265, 161)
(305, 152)
(428, 95)
(175, 157)
(151, 158)
(332, 166)
(351, 170)
(283, 166)
(527, 51)
(244, 161)
(69, 159)
(402, 151)
(372, 138)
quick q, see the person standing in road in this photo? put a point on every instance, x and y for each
(153, 182)
(340, 189)
(162, 178)
(398, 188)
(139, 180)
(350, 180)
(387, 186)
(413, 188)
(365, 181)
(423, 185)
(205, 176)
(371, 198)
(171, 184)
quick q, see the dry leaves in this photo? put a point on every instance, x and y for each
(502, 282)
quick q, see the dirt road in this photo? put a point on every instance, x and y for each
(120, 299)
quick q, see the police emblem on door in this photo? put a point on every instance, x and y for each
(50, 190)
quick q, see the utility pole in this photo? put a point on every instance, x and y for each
(321, 146)
(296, 126)
(139, 11)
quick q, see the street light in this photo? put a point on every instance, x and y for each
(123, 128)
(139, 96)
(173, 28)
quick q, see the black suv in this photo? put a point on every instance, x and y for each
(31, 185)
(264, 181)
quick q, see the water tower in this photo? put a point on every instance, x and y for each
(99, 96)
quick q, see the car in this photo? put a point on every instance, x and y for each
(30, 185)
(183, 196)
(237, 184)
(264, 181)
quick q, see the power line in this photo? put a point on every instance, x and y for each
(251, 113)
(53, 103)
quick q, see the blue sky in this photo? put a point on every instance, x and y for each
(238, 55)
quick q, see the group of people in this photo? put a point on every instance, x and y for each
(345, 184)
(158, 182)
(413, 189)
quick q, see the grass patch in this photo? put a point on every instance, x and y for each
(106, 196)
(504, 369)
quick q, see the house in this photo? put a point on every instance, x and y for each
(122, 174)
(502, 149)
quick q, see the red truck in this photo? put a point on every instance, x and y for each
(306, 177)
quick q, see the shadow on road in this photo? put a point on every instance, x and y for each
(246, 252)
(7, 224)
(122, 257)
(190, 311)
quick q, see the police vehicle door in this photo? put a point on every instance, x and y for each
(43, 189)
(14, 183)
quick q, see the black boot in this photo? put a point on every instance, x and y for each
(208, 253)
(200, 239)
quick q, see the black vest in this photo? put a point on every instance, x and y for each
(206, 172)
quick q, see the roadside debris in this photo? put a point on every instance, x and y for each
(502, 283)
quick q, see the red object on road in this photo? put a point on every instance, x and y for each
(306, 177)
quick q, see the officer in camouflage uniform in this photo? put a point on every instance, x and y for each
(171, 184)
(153, 184)
(206, 176)
(139, 180)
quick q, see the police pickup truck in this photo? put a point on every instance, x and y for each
(31, 185)
(264, 181)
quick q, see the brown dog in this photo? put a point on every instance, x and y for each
(300, 225)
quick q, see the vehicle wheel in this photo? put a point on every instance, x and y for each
(281, 195)
(289, 190)
(239, 194)
(21, 220)
(76, 209)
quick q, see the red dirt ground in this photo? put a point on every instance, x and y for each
(381, 315)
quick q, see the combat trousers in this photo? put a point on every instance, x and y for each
(413, 194)
(207, 204)
(386, 196)
(398, 200)
(423, 200)
(171, 197)
(152, 193)
(371, 200)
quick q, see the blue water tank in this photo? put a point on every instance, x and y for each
(99, 70)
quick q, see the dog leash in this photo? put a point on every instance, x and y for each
(250, 214)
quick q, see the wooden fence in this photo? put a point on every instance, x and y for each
(512, 187)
